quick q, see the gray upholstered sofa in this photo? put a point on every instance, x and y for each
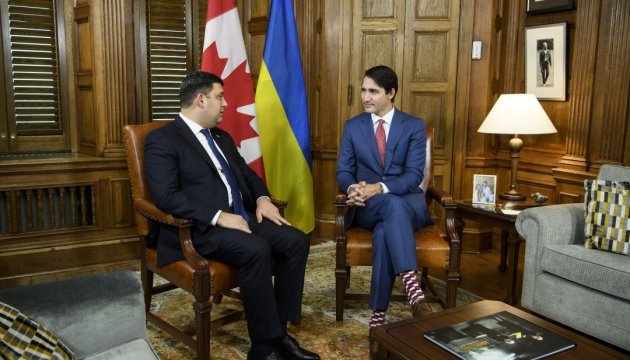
(586, 289)
(98, 316)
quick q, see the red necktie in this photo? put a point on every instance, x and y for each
(380, 140)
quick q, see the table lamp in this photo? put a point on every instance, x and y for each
(516, 114)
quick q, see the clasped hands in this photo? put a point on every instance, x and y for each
(362, 192)
(264, 209)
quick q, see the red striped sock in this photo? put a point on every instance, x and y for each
(378, 318)
(412, 288)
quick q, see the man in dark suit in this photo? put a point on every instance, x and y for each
(194, 171)
(381, 166)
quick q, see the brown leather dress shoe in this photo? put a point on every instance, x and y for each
(420, 308)
(290, 349)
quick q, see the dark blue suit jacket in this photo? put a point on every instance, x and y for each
(405, 155)
(184, 182)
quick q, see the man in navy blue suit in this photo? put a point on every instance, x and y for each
(194, 171)
(381, 166)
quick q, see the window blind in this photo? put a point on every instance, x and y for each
(168, 60)
(34, 67)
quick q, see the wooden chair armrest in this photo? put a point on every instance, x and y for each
(441, 196)
(342, 209)
(149, 210)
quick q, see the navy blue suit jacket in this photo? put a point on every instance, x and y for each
(405, 156)
(184, 182)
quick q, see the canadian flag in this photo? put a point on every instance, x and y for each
(224, 55)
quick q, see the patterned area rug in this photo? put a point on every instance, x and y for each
(318, 331)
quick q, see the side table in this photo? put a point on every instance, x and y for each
(492, 215)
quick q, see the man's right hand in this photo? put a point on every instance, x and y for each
(233, 221)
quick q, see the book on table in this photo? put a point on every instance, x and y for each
(499, 336)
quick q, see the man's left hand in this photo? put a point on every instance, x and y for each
(266, 209)
(363, 193)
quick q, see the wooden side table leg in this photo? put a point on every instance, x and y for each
(503, 263)
(514, 242)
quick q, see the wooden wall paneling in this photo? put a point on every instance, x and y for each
(612, 84)
(255, 30)
(74, 209)
(142, 111)
(113, 95)
(430, 73)
(377, 39)
(84, 107)
(479, 18)
(464, 90)
(122, 211)
(581, 86)
(335, 94)
(36, 265)
(115, 38)
(477, 81)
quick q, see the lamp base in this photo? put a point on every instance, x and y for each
(512, 195)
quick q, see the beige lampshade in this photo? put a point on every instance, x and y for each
(517, 114)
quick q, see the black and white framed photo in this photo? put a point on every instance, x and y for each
(484, 189)
(545, 6)
(545, 61)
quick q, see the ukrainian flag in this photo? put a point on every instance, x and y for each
(283, 118)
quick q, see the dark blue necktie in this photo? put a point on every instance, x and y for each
(237, 201)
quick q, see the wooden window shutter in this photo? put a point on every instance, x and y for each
(168, 60)
(33, 73)
(34, 77)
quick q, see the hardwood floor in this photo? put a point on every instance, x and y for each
(481, 277)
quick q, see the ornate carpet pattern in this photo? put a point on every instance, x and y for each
(318, 330)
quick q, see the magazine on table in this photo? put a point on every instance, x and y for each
(499, 336)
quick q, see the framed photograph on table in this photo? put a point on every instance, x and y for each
(545, 61)
(545, 6)
(484, 189)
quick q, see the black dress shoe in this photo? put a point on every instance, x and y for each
(275, 355)
(291, 350)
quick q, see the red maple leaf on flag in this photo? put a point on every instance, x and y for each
(236, 91)
(239, 118)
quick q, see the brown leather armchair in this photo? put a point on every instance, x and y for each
(434, 248)
(198, 276)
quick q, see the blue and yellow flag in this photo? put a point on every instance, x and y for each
(283, 118)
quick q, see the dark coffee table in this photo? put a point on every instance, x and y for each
(404, 339)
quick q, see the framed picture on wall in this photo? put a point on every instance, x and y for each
(484, 189)
(544, 6)
(545, 61)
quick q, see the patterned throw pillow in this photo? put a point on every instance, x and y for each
(23, 338)
(607, 206)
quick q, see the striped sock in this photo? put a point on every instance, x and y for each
(378, 318)
(412, 288)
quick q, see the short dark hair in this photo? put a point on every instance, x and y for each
(384, 77)
(194, 83)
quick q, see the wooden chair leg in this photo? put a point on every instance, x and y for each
(147, 286)
(451, 292)
(341, 282)
(202, 324)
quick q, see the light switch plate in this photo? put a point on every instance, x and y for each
(476, 50)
